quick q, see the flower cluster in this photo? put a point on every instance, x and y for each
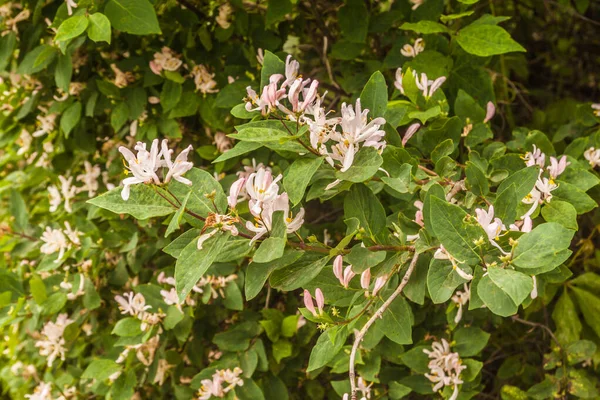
(445, 367)
(59, 240)
(135, 305)
(345, 275)
(593, 156)
(68, 190)
(52, 343)
(222, 382)
(166, 60)
(426, 86)
(145, 165)
(413, 50)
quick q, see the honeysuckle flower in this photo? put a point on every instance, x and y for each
(260, 56)
(310, 305)
(163, 279)
(490, 111)
(46, 124)
(269, 98)
(596, 108)
(235, 191)
(557, 167)
(593, 156)
(363, 387)
(165, 60)
(542, 192)
(216, 284)
(309, 95)
(222, 142)
(535, 157)
(170, 297)
(442, 254)
(143, 166)
(80, 290)
(410, 132)
(379, 284)
(493, 227)
(445, 367)
(461, 299)
(52, 343)
(224, 17)
(398, 81)
(178, 167)
(526, 225)
(43, 391)
(365, 280)
(70, 6)
(320, 127)
(24, 141)
(356, 129)
(55, 199)
(215, 386)
(419, 213)
(427, 86)
(291, 70)
(343, 275)
(67, 190)
(262, 188)
(54, 241)
(122, 79)
(264, 218)
(204, 80)
(132, 304)
(416, 4)
(89, 179)
(11, 23)
(217, 222)
(534, 291)
(412, 51)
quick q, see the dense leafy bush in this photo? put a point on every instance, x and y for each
(298, 199)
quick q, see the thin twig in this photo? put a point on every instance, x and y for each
(360, 335)
(458, 186)
(192, 8)
(537, 325)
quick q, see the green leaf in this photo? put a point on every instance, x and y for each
(496, 299)
(468, 342)
(570, 193)
(271, 65)
(545, 246)
(566, 318)
(516, 284)
(448, 221)
(132, 16)
(143, 203)
(396, 322)
(70, 118)
(374, 96)
(38, 289)
(298, 274)
(99, 29)
(233, 297)
(443, 149)
(298, 176)
(524, 180)
(363, 205)
(282, 349)
(353, 19)
(362, 258)
(401, 179)
(366, 163)
(239, 149)
(18, 210)
(276, 11)
(63, 72)
(170, 95)
(424, 26)
(193, 263)
(442, 280)
(249, 391)
(397, 112)
(505, 206)
(119, 116)
(175, 248)
(486, 40)
(589, 304)
(426, 115)
(203, 183)
(289, 325)
(7, 46)
(561, 212)
(37, 59)
(71, 28)
(257, 274)
(260, 135)
(477, 179)
(176, 220)
(100, 369)
(273, 247)
(326, 349)
(127, 327)
(54, 303)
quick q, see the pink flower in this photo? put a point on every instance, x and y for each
(234, 192)
(379, 284)
(310, 306)
(557, 167)
(490, 112)
(365, 280)
(343, 275)
(410, 132)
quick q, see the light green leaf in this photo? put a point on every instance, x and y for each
(99, 29)
(495, 298)
(170, 95)
(276, 11)
(239, 149)
(477, 179)
(203, 184)
(468, 342)
(442, 280)
(37, 59)
(143, 202)
(325, 349)
(561, 212)
(366, 163)
(176, 220)
(424, 26)
(426, 115)
(193, 263)
(273, 247)
(505, 206)
(71, 28)
(524, 180)
(298, 274)
(570, 193)
(589, 304)
(544, 246)
(298, 176)
(486, 40)
(271, 65)
(70, 118)
(132, 16)
(396, 322)
(516, 284)
(127, 327)
(363, 205)
(566, 318)
(257, 274)
(100, 369)
(63, 72)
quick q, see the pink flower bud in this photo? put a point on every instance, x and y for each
(234, 192)
(365, 279)
(338, 268)
(320, 300)
(490, 112)
(348, 275)
(410, 132)
(379, 283)
(308, 303)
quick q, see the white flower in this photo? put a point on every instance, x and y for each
(535, 157)
(416, 4)
(557, 167)
(596, 108)
(143, 166)
(52, 343)
(215, 386)
(46, 124)
(490, 112)
(80, 291)
(235, 191)
(165, 60)
(54, 241)
(217, 222)
(222, 142)
(68, 191)
(72, 234)
(204, 80)
(161, 371)
(534, 291)
(264, 218)
(410, 132)
(70, 6)
(593, 156)
(132, 304)
(223, 19)
(427, 86)
(178, 167)
(170, 297)
(24, 141)
(542, 192)
(262, 188)
(89, 179)
(461, 299)
(164, 280)
(445, 367)
(55, 199)
(412, 51)
(364, 388)
(291, 70)
(398, 81)
(443, 254)
(310, 305)
(269, 99)
(526, 225)
(43, 391)
(493, 227)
